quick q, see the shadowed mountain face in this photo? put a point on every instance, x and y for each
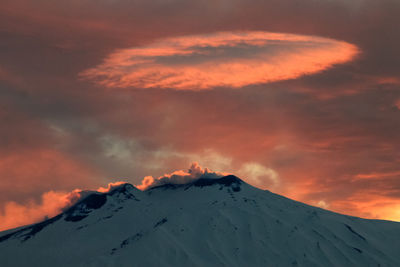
(229, 180)
(208, 222)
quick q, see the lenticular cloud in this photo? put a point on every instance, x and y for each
(224, 59)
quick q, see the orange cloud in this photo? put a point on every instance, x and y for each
(375, 175)
(52, 203)
(26, 174)
(109, 187)
(232, 59)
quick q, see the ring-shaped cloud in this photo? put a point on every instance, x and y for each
(231, 59)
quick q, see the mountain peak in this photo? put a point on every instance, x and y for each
(122, 188)
(227, 181)
(207, 222)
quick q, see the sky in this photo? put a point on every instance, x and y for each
(301, 98)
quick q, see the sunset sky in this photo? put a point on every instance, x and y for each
(298, 97)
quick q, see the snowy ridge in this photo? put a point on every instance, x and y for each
(208, 222)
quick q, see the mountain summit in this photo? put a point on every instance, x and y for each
(206, 222)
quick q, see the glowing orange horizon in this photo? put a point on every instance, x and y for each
(199, 62)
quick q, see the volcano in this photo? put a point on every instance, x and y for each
(206, 222)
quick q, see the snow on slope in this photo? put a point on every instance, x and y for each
(208, 222)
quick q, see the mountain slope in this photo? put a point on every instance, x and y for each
(209, 222)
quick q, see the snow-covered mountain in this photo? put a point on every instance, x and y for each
(207, 222)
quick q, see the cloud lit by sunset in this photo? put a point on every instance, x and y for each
(230, 59)
(51, 204)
